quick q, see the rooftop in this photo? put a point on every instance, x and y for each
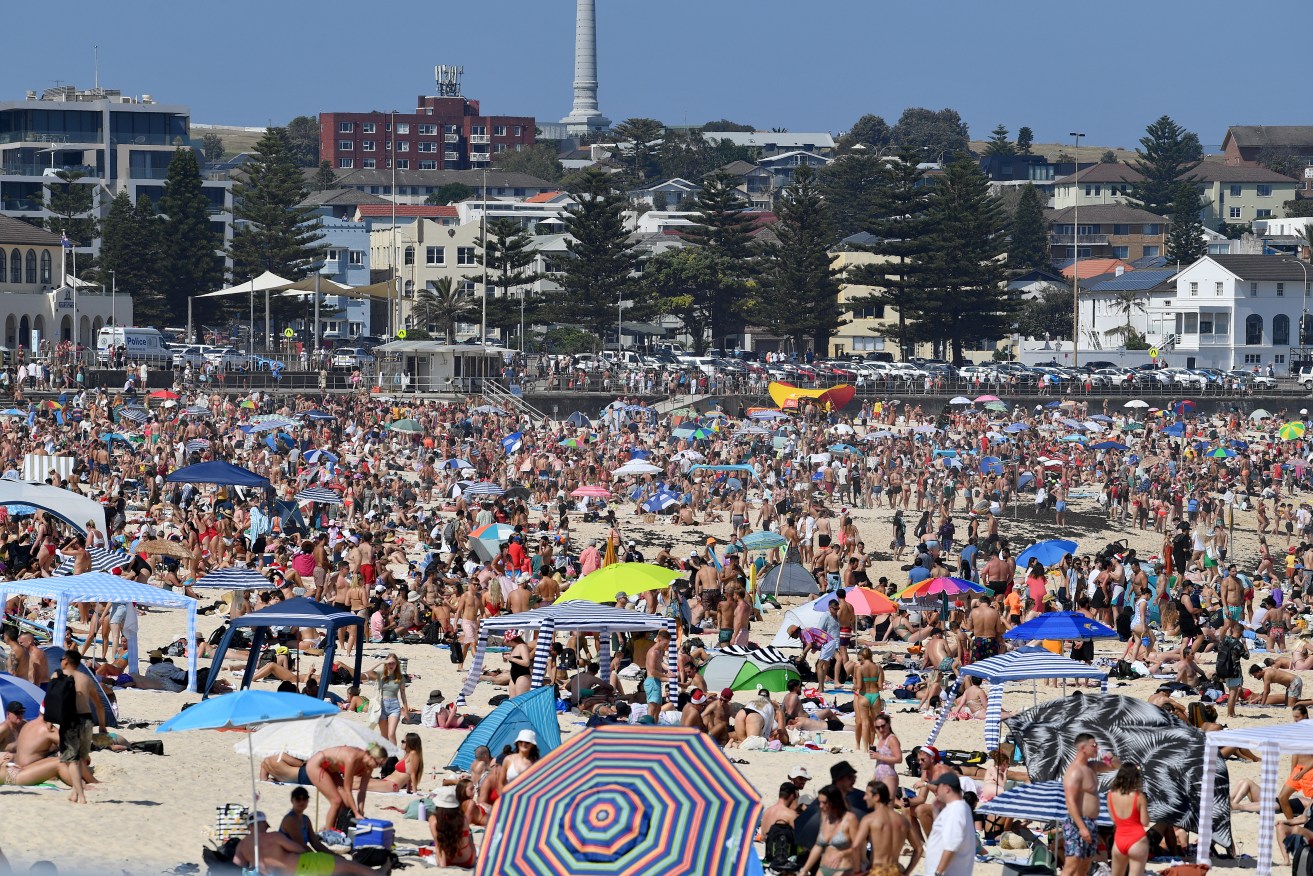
(473, 178)
(341, 198)
(780, 140)
(1103, 173)
(1271, 136)
(1096, 214)
(1260, 267)
(408, 211)
(16, 231)
(1096, 268)
(1216, 171)
(1130, 280)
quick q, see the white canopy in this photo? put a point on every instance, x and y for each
(1271, 742)
(70, 507)
(266, 282)
(103, 587)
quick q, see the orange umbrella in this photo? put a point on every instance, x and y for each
(866, 601)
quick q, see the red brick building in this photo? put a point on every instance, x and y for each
(443, 133)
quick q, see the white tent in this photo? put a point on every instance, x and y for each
(102, 587)
(70, 507)
(804, 616)
(1272, 743)
(266, 282)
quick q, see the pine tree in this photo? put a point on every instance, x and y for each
(189, 244)
(966, 296)
(273, 233)
(1029, 246)
(851, 185)
(508, 252)
(69, 202)
(599, 264)
(998, 143)
(1168, 152)
(800, 297)
(639, 134)
(1025, 138)
(1185, 237)
(724, 228)
(685, 282)
(325, 179)
(130, 250)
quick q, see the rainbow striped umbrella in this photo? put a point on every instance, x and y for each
(938, 587)
(625, 801)
(1292, 430)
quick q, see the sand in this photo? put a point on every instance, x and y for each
(152, 813)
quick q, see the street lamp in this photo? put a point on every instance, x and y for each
(1303, 317)
(113, 297)
(1075, 261)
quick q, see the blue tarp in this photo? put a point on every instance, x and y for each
(535, 710)
(217, 472)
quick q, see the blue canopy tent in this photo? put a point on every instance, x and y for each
(217, 472)
(296, 612)
(535, 710)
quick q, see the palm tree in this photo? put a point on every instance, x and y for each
(442, 304)
(1127, 302)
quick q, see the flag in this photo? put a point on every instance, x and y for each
(512, 443)
(63, 239)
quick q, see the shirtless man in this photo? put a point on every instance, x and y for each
(923, 804)
(518, 599)
(831, 564)
(847, 629)
(75, 735)
(35, 754)
(1270, 675)
(18, 659)
(986, 627)
(996, 575)
(716, 716)
(655, 683)
(282, 856)
(784, 809)
(469, 608)
(725, 621)
(1082, 792)
(738, 513)
(691, 715)
(38, 668)
(742, 616)
(888, 831)
(708, 590)
(1233, 595)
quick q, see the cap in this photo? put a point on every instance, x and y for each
(14, 707)
(258, 817)
(445, 797)
(800, 773)
(412, 596)
(697, 697)
(621, 595)
(527, 736)
(435, 696)
(510, 634)
(948, 779)
(727, 694)
(841, 770)
(379, 588)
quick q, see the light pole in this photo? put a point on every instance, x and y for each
(1303, 316)
(396, 274)
(114, 297)
(483, 231)
(1075, 260)
(620, 326)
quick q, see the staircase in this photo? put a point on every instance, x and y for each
(678, 402)
(495, 395)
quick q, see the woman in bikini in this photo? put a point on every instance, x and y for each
(835, 853)
(887, 752)
(868, 682)
(524, 756)
(339, 773)
(409, 770)
(1130, 818)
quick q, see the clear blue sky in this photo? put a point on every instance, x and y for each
(1106, 68)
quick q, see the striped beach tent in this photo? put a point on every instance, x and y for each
(102, 560)
(535, 710)
(136, 415)
(195, 445)
(1037, 801)
(235, 578)
(319, 494)
(483, 488)
(756, 655)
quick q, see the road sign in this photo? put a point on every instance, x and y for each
(1153, 352)
(288, 333)
(401, 335)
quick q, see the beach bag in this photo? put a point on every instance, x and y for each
(61, 700)
(457, 651)
(781, 853)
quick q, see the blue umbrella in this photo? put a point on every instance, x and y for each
(991, 465)
(1176, 430)
(1048, 552)
(1109, 445)
(456, 463)
(1015, 428)
(317, 455)
(1037, 801)
(19, 690)
(1060, 625)
(319, 415)
(661, 501)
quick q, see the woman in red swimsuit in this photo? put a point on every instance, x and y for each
(1130, 817)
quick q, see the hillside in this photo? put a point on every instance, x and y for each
(235, 139)
(1088, 151)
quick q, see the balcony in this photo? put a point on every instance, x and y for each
(480, 138)
(49, 137)
(480, 156)
(451, 137)
(37, 169)
(451, 156)
(1079, 239)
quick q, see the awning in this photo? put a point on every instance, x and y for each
(266, 282)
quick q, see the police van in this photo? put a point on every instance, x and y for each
(141, 345)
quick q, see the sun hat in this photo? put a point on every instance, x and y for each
(528, 736)
(800, 773)
(435, 697)
(445, 797)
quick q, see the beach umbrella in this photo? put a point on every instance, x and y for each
(499, 532)
(636, 467)
(407, 426)
(19, 690)
(319, 494)
(195, 411)
(487, 409)
(302, 739)
(959, 400)
(1049, 553)
(946, 586)
(13, 412)
(1014, 428)
(591, 491)
(1109, 445)
(986, 398)
(1060, 625)
(768, 415)
(1260, 414)
(1037, 801)
(1220, 453)
(624, 801)
(864, 601)
(763, 541)
(689, 456)
(1184, 407)
(319, 415)
(751, 431)
(998, 406)
(246, 710)
(164, 394)
(162, 547)
(603, 584)
(135, 415)
(483, 488)
(516, 492)
(845, 450)
(235, 578)
(1102, 418)
(314, 456)
(102, 560)
(698, 433)
(1176, 430)
(1073, 438)
(991, 465)
(246, 403)
(1291, 431)
(1136, 403)
(1133, 427)
(196, 445)
(660, 501)
(774, 678)
(456, 463)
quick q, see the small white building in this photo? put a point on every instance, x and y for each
(432, 366)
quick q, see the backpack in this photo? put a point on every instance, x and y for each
(1301, 858)
(781, 854)
(1228, 662)
(61, 704)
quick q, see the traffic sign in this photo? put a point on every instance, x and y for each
(288, 333)
(1153, 352)
(401, 335)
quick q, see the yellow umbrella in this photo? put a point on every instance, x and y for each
(606, 582)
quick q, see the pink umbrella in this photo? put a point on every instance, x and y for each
(986, 398)
(592, 491)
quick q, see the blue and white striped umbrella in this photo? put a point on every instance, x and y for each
(319, 494)
(769, 415)
(136, 415)
(661, 501)
(483, 488)
(196, 411)
(269, 425)
(235, 578)
(320, 455)
(195, 445)
(102, 560)
(319, 415)
(1037, 801)
(456, 463)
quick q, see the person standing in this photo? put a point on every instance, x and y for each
(1082, 793)
(1130, 817)
(1231, 652)
(950, 849)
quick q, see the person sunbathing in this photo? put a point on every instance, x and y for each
(281, 855)
(281, 768)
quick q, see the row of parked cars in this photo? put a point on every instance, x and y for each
(232, 359)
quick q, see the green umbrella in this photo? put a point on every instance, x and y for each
(630, 578)
(775, 679)
(996, 406)
(1133, 427)
(410, 426)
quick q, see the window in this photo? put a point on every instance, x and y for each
(1262, 214)
(16, 267)
(30, 265)
(427, 164)
(332, 255)
(1194, 288)
(451, 129)
(499, 147)
(403, 164)
(1281, 290)
(1191, 326)
(499, 131)
(1222, 323)
(1253, 330)
(345, 145)
(426, 146)
(1279, 359)
(1253, 358)
(45, 267)
(366, 145)
(346, 162)
(435, 255)
(478, 130)
(1089, 190)
(465, 256)
(356, 258)
(345, 127)
(1098, 190)
(1121, 252)
(1264, 191)
(867, 345)
(1205, 323)
(369, 164)
(1253, 290)
(1233, 212)
(1235, 191)
(1153, 229)
(1151, 251)
(367, 127)
(1121, 230)
(1217, 288)
(426, 130)
(1280, 330)
(403, 145)
(403, 127)
(408, 255)
(519, 132)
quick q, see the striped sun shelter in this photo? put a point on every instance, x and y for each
(102, 560)
(196, 445)
(319, 494)
(1038, 801)
(483, 488)
(235, 578)
(625, 801)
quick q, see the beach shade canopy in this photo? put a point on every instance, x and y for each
(322, 495)
(406, 426)
(216, 472)
(625, 801)
(535, 710)
(102, 560)
(636, 467)
(1176, 430)
(1291, 431)
(662, 500)
(1270, 743)
(863, 600)
(578, 419)
(603, 584)
(483, 488)
(591, 491)
(788, 579)
(1049, 553)
(1109, 445)
(1133, 731)
(991, 465)
(235, 578)
(1037, 801)
(19, 690)
(68, 590)
(1060, 626)
(723, 669)
(806, 617)
(773, 678)
(70, 507)
(303, 738)
(295, 612)
(763, 541)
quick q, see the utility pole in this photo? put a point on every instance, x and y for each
(483, 220)
(1075, 262)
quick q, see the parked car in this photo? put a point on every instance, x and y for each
(349, 358)
(228, 359)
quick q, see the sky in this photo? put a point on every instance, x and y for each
(1106, 69)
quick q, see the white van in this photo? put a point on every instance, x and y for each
(143, 344)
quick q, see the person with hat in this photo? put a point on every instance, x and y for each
(950, 847)
(518, 761)
(452, 844)
(924, 804)
(691, 714)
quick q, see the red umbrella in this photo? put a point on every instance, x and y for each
(592, 491)
(868, 602)
(164, 394)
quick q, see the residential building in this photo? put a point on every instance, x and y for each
(542, 213)
(381, 215)
(346, 263)
(37, 305)
(1016, 171)
(770, 143)
(756, 183)
(1246, 144)
(859, 335)
(415, 186)
(1238, 193)
(672, 194)
(114, 141)
(782, 167)
(1113, 231)
(1096, 184)
(340, 203)
(445, 132)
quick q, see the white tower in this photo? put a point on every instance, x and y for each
(584, 115)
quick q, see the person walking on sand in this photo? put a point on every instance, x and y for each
(1130, 817)
(1082, 793)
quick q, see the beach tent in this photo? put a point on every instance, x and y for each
(1018, 665)
(217, 472)
(535, 710)
(723, 670)
(804, 616)
(1271, 743)
(295, 612)
(1137, 732)
(70, 507)
(788, 579)
(1037, 801)
(54, 654)
(574, 616)
(68, 590)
